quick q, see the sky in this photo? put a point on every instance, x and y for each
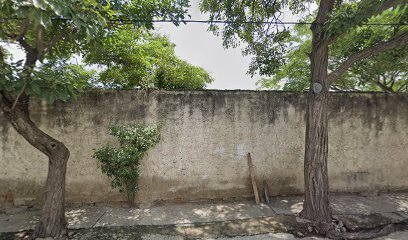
(202, 48)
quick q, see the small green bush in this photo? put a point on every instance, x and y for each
(122, 164)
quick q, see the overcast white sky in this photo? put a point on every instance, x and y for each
(199, 47)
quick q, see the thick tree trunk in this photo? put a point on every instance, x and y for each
(52, 221)
(316, 203)
(316, 206)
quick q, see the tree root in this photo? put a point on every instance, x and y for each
(336, 230)
(368, 233)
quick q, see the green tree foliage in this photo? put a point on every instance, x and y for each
(387, 71)
(257, 25)
(28, 25)
(253, 23)
(138, 58)
(122, 164)
(52, 31)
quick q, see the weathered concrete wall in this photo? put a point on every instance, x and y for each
(205, 138)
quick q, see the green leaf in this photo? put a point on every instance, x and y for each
(36, 88)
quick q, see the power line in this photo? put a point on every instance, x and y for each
(134, 21)
(130, 21)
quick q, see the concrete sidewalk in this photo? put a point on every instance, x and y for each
(355, 211)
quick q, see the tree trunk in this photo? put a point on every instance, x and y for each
(130, 192)
(52, 221)
(316, 203)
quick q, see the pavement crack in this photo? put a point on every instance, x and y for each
(103, 214)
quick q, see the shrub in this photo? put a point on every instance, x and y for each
(121, 164)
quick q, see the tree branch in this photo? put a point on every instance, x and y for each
(402, 86)
(368, 52)
(1, 55)
(23, 30)
(21, 41)
(392, 80)
(389, 4)
(375, 10)
(383, 86)
(54, 41)
(39, 40)
(27, 47)
(370, 12)
(22, 123)
(18, 96)
(32, 54)
(31, 59)
(325, 8)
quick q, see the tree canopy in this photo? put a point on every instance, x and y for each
(140, 58)
(28, 25)
(50, 32)
(387, 71)
(259, 27)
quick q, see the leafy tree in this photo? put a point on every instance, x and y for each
(49, 31)
(257, 24)
(386, 71)
(122, 164)
(138, 58)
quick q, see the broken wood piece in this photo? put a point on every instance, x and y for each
(253, 180)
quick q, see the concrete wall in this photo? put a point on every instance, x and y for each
(205, 138)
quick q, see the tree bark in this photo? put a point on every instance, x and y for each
(316, 202)
(52, 221)
(316, 205)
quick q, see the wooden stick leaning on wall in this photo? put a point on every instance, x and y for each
(253, 180)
